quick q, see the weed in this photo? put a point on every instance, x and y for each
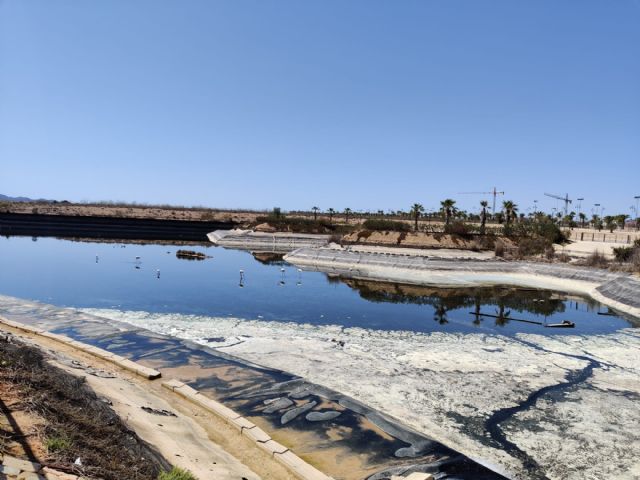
(596, 259)
(58, 443)
(176, 474)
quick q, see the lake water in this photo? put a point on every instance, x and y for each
(151, 278)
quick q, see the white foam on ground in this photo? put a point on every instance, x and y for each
(446, 384)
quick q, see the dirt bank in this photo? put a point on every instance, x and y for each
(157, 212)
(54, 418)
(420, 240)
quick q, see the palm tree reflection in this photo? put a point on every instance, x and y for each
(476, 311)
(502, 317)
(440, 313)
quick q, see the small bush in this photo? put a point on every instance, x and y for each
(623, 254)
(528, 247)
(176, 474)
(541, 228)
(459, 228)
(378, 224)
(550, 253)
(57, 444)
(596, 259)
(499, 248)
(335, 238)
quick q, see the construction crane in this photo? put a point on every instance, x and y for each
(565, 199)
(495, 193)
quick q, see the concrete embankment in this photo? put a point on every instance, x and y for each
(278, 242)
(617, 290)
(107, 227)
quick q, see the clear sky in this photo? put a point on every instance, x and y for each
(364, 104)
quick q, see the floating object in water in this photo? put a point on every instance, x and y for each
(190, 255)
(158, 273)
(97, 258)
(137, 257)
(563, 324)
(241, 284)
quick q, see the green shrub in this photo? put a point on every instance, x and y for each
(533, 246)
(57, 444)
(541, 228)
(623, 254)
(176, 474)
(378, 224)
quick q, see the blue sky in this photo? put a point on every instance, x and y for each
(362, 104)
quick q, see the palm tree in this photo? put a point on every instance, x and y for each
(448, 209)
(510, 209)
(347, 211)
(415, 212)
(331, 211)
(483, 215)
(315, 213)
(583, 217)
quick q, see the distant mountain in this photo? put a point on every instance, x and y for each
(5, 198)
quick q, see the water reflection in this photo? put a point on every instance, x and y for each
(269, 258)
(495, 303)
(540, 302)
(231, 283)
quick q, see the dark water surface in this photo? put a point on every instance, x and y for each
(107, 275)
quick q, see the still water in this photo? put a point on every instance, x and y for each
(127, 276)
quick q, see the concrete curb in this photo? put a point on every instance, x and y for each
(279, 452)
(145, 372)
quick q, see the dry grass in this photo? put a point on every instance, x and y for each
(596, 259)
(76, 423)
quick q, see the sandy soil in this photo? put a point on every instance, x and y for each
(584, 249)
(414, 240)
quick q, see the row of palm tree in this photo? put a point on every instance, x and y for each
(447, 208)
